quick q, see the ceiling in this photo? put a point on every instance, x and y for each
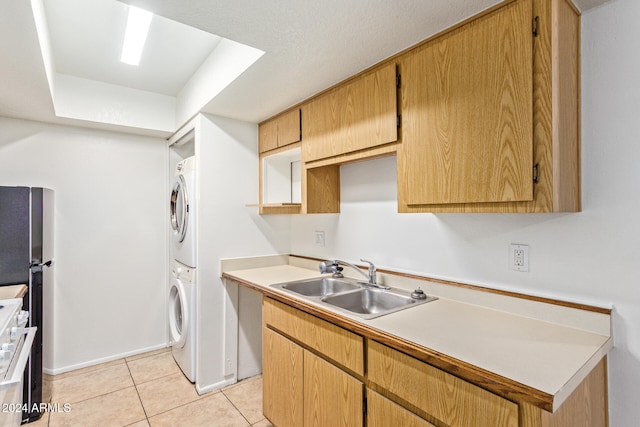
(86, 38)
(308, 46)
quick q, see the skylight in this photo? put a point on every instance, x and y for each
(135, 35)
(180, 69)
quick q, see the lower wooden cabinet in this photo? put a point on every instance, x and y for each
(300, 387)
(314, 375)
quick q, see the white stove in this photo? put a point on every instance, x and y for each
(15, 346)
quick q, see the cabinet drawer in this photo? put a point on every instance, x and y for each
(446, 398)
(334, 342)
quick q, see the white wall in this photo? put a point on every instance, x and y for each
(98, 102)
(226, 162)
(589, 257)
(228, 60)
(111, 236)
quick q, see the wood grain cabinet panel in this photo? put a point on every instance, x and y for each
(336, 343)
(302, 385)
(467, 113)
(490, 114)
(442, 396)
(282, 380)
(279, 131)
(289, 129)
(331, 397)
(267, 136)
(382, 412)
(354, 116)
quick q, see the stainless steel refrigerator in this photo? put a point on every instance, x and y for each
(26, 257)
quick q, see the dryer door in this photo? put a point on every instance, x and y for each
(179, 209)
(178, 314)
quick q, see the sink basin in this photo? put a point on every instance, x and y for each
(320, 286)
(350, 296)
(370, 303)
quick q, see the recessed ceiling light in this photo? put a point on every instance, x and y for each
(135, 36)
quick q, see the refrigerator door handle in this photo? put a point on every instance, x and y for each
(36, 266)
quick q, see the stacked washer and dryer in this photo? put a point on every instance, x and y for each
(182, 292)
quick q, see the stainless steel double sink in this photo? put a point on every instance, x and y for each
(352, 296)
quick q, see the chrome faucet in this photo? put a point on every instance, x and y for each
(372, 272)
(333, 266)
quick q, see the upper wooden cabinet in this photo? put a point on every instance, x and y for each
(490, 114)
(467, 113)
(279, 131)
(279, 164)
(489, 118)
(351, 117)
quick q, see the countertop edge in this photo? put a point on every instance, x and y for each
(563, 394)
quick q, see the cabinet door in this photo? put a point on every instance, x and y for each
(467, 113)
(355, 116)
(267, 136)
(381, 412)
(280, 131)
(331, 397)
(282, 380)
(289, 128)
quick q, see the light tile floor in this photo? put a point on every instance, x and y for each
(149, 390)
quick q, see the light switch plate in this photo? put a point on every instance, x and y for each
(320, 238)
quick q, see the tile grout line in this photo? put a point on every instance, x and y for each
(236, 408)
(212, 393)
(100, 395)
(146, 417)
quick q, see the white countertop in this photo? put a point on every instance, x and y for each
(549, 357)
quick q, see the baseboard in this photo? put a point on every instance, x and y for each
(94, 362)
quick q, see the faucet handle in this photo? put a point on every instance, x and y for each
(327, 266)
(371, 265)
(331, 266)
(372, 270)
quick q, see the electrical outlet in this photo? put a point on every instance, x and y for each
(320, 238)
(519, 257)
